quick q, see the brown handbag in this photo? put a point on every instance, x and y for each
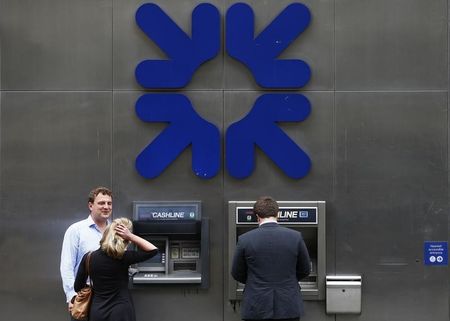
(82, 301)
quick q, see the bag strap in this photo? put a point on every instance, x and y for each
(87, 264)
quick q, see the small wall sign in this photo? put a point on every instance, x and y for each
(435, 253)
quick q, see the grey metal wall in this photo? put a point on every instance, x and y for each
(377, 137)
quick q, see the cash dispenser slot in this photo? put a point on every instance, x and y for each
(184, 266)
(182, 237)
(306, 217)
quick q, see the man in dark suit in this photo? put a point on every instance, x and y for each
(270, 260)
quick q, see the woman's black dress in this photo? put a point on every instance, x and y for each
(112, 300)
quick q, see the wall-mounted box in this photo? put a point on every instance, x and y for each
(343, 294)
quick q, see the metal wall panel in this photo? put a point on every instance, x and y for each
(315, 45)
(56, 44)
(1, 50)
(380, 158)
(391, 196)
(178, 182)
(391, 45)
(55, 147)
(131, 45)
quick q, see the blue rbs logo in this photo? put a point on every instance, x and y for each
(259, 53)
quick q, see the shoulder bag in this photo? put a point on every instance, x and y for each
(82, 301)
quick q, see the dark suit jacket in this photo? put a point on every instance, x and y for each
(270, 260)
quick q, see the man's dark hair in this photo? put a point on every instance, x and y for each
(98, 190)
(266, 206)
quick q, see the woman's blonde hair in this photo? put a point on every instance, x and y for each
(112, 243)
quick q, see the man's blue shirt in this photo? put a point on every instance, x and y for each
(80, 238)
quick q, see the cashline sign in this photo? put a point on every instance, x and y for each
(257, 52)
(286, 215)
(168, 213)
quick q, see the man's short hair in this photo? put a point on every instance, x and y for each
(266, 206)
(98, 190)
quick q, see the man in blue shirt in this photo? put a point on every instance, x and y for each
(84, 236)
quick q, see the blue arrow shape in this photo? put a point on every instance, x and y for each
(259, 128)
(185, 54)
(186, 127)
(259, 54)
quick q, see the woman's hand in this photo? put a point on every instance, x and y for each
(123, 231)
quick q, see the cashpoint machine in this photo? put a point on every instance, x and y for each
(305, 217)
(182, 237)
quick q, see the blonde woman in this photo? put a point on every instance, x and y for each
(108, 270)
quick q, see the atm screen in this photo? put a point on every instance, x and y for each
(158, 262)
(156, 259)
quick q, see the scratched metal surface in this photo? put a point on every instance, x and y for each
(377, 137)
(53, 152)
(391, 196)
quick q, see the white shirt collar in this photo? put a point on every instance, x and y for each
(268, 221)
(91, 222)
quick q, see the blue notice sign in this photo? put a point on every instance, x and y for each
(435, 253)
